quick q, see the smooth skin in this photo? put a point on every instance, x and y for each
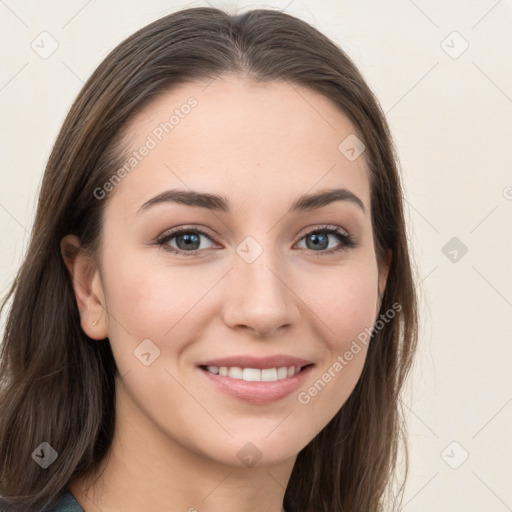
(177, 436)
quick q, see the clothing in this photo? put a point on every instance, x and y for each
(67, 503)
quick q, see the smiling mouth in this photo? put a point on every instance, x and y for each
(255, 374)
(258, 385)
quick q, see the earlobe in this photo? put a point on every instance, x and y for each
(87, 286)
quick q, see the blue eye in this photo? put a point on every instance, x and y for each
(188, 240)
(319, 239)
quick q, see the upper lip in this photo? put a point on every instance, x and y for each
(247, 361)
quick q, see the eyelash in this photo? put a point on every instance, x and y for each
(347, 241)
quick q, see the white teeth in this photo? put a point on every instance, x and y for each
(269, 374)
(235, 372)
(282, 372)
(255, 374)
(251, 374)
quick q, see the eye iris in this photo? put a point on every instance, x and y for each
(317, 239)
(189, 240)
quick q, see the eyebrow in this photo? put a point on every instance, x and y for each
(219, 203)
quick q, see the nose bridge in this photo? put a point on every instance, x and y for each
(258, 296)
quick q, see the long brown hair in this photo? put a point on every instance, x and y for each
(57, 385)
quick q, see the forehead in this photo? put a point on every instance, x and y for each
(258, 140)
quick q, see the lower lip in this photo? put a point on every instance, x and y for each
(258, 392)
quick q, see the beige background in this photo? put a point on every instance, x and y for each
(450, 113)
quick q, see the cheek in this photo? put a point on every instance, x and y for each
(149, 298)
(344, 301)
(346, 312)
(352, 310)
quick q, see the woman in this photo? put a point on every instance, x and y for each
(217, 309)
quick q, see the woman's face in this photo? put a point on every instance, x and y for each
(260, 280)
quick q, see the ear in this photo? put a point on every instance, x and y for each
(88, 288)
(383, 278)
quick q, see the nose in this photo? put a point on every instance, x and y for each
(259, 298)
